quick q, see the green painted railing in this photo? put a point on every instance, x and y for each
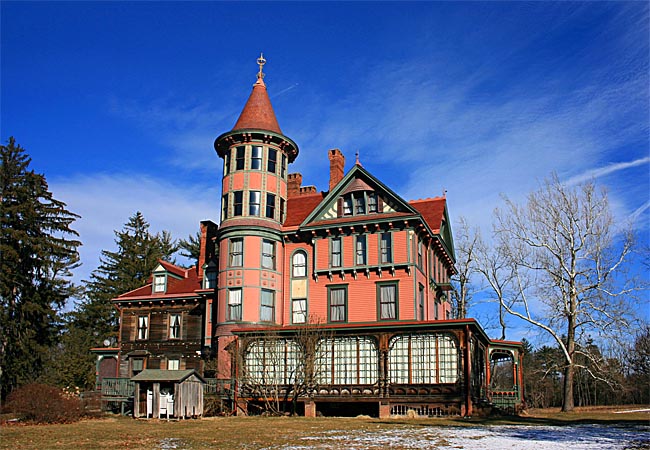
(117, 388)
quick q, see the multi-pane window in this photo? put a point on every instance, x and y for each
(359, 203)
(236, 251)
(240, 158)
(159, 283)
(143, 327)
(385, 245)
(299, 264)
(272, 362)
(267, 306)
(254, 203)
(173, 364)
(226, 163)
(423, 359)
(256, 158)
(347, 205)
(268, 254)
(281, 210)
(270, 206)
(272, 162)
(234, 304)
(174, 326)
(338, 304)
(238, 203)
(335, 252)
(372, 202)
(387, 301)
(299, 310)
(360, 254)
(346, 360)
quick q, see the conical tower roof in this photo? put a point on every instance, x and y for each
(258, 112)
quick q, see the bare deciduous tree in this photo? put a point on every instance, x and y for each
(467, 240)
(565, 264)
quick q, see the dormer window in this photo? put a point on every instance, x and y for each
(159, 283)
(372, 202)
(359, 203)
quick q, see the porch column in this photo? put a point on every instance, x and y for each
(310, 408)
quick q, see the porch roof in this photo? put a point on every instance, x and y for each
(166, 375)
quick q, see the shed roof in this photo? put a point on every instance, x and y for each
(166, 375)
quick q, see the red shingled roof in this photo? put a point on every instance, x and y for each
(258, 112)
(299, 207)
(432, 210)
(175, 287)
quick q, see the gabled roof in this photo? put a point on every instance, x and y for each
(432, 210)
(185, 283)
(258, 112)
(176, 376)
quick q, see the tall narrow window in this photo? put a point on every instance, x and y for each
(270, 206)
(361, 251)
(268, 254)
(159, 283)
(272, 162)
(338, 304)
(435, 309)
(254, 200)
(420, 266)
(283, 167)
(281, 210)
(335, 253)
(240, 158)
(256, 158)
(210, 281)
(234, 304)
(174, 326)
(143, 327)
(299, 310)
(224, 207)
(236, 252)
(347, 205)
(420, 302)
(267, 306)
(372, 202)
(385, 248)
(299, 264)
(238, 203)
(388, 301)
(226, 163)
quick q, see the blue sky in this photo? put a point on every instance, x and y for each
(118, 103)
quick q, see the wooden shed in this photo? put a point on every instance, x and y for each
(168, 393)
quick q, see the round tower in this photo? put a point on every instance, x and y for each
(255, 154)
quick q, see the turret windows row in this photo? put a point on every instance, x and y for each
(272, 207)
(260, 157)
(236, 253)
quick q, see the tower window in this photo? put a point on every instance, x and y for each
(240, 158)
(281, 210)
(224, 207)
(236, 252)
(234, 304)
(238, 203)
(272, 162)
(226, 163)
(268, 254)
(254, 200)
(270, 206)
(283, 167)
(256, 158)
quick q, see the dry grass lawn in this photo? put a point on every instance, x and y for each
(115, 432)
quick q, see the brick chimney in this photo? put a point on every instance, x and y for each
(207, 253)
(294, 181)
(337, 166)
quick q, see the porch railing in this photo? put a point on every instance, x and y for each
(115, 388)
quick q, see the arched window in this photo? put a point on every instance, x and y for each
(299, 264)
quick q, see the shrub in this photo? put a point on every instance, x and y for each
(41, 403)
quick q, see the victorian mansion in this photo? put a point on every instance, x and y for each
(359, 271)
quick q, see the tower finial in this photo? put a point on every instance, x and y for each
(260, 62)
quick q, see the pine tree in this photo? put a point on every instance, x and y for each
(191, 248)
(38, 252)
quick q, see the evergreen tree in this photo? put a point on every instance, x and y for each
(191, 248)
(38, 252)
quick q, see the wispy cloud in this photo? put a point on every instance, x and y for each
(607, 170)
